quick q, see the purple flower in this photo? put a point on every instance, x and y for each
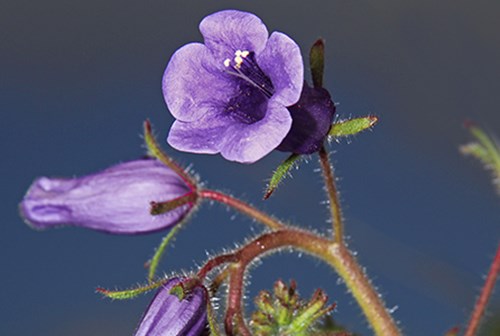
(167, 315)
(230, 95)
(312, 118)
(116, 200)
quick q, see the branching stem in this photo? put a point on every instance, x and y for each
(336, 255)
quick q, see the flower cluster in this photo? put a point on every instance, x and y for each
(242, 94)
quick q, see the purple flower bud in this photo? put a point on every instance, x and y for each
(116, 200)
(167, 315)
(230, 95)
(312, 118)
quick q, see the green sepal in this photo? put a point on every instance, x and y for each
(485, 149)
(179, 291)
(312, 312)
(155, 151)
(280, 173)
(352, 126)
(184, 288)
(155, 260)
(317, 62)
(478, 151)
(284, 313)
(130, 293)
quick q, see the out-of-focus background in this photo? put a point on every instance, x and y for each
(78, 78)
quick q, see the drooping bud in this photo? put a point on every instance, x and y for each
(168, 314)
(117, 200)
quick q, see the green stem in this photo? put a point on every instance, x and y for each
(333, 196)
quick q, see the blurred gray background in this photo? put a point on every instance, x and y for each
(78, 78)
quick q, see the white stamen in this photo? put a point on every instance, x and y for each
(238, 60)
(227, 62)
(245, 53)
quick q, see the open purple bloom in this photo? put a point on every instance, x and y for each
(230, 95)
(167, 315)
(116, 200)
(312, 118)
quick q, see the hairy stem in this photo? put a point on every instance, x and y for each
(234, 322)
(333, 196)
(335, 254)
(242, 207)
(155, 260)
(486, 292)
(155, 150)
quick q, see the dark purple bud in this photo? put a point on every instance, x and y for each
(116, 200)
(312, 117)
(169, 315)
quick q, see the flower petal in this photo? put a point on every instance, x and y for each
(116, 200)
(228, 31)
(201, 136)
(192, 85)
(282, 61)
(247, 143)
(167, 315)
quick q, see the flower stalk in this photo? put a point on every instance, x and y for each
(333, 196)
(243, 207)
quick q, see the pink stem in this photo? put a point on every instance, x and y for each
(482, 301)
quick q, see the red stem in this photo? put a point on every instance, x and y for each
(243, 207)
(215, 262)
(335, 254)
(482, 301)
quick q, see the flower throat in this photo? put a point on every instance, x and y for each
(249, 105)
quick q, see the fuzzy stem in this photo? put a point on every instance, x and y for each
(216, 262)
(155, 150)
(486, 292)
(219, 280)
(155, 260)
(333, 196)
(335, 254)
(234, 322)
(242, 207)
